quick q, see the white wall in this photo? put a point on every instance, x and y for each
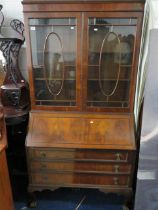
(154, 5)
(150, 22)
(12, 9)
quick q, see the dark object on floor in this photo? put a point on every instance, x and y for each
(69, 199)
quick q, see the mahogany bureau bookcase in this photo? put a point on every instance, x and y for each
(82, 62)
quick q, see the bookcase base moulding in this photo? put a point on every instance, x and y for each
(80, 150)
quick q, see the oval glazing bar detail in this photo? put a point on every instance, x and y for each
(54, 70)
(105, 49)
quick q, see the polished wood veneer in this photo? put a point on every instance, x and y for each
(69, 160)
(87, 179)
(80, 166)
(78, 154)
(87, 131)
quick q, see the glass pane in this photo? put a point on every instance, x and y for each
(42, 93)
(54, 21)
(66, 33)
(54, 61)
(110, 62)
(118, 99)
(112, 21)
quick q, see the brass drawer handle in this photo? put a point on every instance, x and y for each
(118, 156)
(43, 154)
(116, 181)
(116, 168)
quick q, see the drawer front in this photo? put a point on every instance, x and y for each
(77, 154)
(74, 166)
(87, 179)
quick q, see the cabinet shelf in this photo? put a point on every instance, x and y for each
(110, 79)
(42, 66)
(113, 104)
(93, 65)
(108, 101)
(106, 24)
(71, 65)
(47, 25)
(124, 65)
(90, 79)
(70, 103)
(57, 79)
(96, 65)
(55, 100)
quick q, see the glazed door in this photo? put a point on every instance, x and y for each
(109, 60)
(55, 54)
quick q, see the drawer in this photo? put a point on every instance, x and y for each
(70, 178)
(75, 166)
(78, 154)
